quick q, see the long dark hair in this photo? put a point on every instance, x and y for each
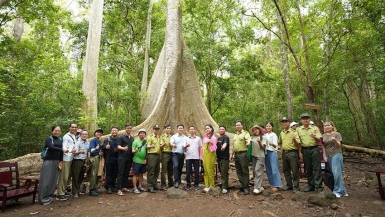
(212, 130)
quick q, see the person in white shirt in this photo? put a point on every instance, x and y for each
(193, 150)
(69, 140)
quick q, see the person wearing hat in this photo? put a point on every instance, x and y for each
(239, 154)
(291, 149)
(78, 132)
(125, 155)
(154, 142)
(95, 145)
(139, 150)
(258, 145)
(309, 136)
(166, 159)
(293, 125)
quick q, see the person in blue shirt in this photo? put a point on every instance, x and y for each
(95, 146)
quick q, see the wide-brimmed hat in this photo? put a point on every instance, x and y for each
(98, 130)
(293, 124)
(256, 126)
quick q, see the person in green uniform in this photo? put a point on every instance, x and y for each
(154, 142)
(166, 159)
(291, 149)
(139, 168)
(309, 137)
(239, 154)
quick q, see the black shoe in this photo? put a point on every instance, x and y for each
(239, 187)
(176, 185)
(109, 191)
(66, 193)
(151, 190)
(246, 192)
(93, 193)
(308, 189)
(287, 188)
(156, 188)
(187, 188)
(63, 198)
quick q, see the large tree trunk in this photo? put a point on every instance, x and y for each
(91, 63)
(174, 94)
(147, 49)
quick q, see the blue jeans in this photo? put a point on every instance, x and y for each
(177, 161)
(336, 165)
(189, 164)
(272, 169)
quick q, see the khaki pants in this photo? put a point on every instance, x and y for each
(64, 177)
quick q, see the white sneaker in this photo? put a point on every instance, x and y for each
(256, 191)
(206, 189)
(346, 195)
(224, 191)
(338, 195)
(261, 189)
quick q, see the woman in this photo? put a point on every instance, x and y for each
(272, 166)
(208, 157)
(332, 154)
(258, 144)
(53, 160)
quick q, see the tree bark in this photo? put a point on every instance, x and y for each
(18, 29)
(174, 94)
(363, 150)
(147, 48)
(90, 67)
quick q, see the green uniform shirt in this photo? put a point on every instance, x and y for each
(139, 156)
(240, 139)
(286, 139)
(304, 135)
(166, 139)
(154, 140)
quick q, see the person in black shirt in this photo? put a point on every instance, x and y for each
(223, 156)
(124, 159)
(111, 152)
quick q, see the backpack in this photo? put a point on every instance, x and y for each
(44, 150)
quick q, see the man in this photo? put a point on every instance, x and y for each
(239, 154)
(293, 125)
(95, 146)
(154, 143)
(110, 150)
(309, 137)
(178, 144)
(140, 151)
(291, 148)
(124, 159)
(69, 140)
(193, 156)
(166, 159)
(223, 156)
(77, 166)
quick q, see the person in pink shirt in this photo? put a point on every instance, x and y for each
(208, 156)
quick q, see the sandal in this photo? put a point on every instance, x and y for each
(125, 190)
(275, 189)
(141, 189)
(120, 193)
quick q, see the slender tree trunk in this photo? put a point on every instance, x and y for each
(143, 88)
(91, 63)
(285, 68)
(18, 29)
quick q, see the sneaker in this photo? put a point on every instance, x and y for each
(256, 191)
(337, 195)
(141, 188)
(47, 203)
(346, 195)
(66, 193)
(63, 198)
(136, 191)
(224, 191)
(196, 188)
(93, 193)
(109, 191)
(261, 189)
(206, 189)
(187, 188)
(75, 196)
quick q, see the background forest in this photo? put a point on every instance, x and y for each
(257, 61)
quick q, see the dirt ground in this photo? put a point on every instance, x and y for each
(363, 200)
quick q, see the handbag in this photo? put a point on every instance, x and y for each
(45, 149)
(249, 151)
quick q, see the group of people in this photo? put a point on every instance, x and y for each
(165, 154)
